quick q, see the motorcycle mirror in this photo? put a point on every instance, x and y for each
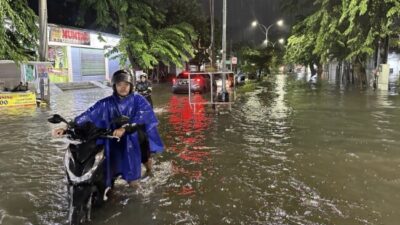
(56, 119)
(121, 120)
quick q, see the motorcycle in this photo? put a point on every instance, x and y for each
(84, 163)
(144, 89)
(147, 95)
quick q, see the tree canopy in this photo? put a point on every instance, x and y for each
(18, 32)
(146, 37)
(191, 12)
(343, 30)
(255, 60)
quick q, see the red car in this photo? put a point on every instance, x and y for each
(199, 82)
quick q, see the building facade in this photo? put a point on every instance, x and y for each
(79, 55)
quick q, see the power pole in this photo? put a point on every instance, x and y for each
(43, 30)
(231, 54)
(224, 92)
(224, 36)
(43, 49)
(211, 48)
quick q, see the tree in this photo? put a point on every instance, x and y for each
(360, 28)
(190, 11)
(347, 30)
(255, 60)
(18, 32)
(146, 39)
(300, 46)
(301, 43)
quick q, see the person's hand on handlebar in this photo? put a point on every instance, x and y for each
(119, 132)
(58, 132)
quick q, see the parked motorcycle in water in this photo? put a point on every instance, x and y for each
(84, 164)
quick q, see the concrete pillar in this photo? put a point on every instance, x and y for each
(383, 78)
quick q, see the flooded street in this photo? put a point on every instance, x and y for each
(287, 153)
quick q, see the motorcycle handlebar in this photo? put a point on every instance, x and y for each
(110, 137)
(103, 133)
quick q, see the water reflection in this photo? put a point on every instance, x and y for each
(188, 126)
(285, 154)
(32, 178)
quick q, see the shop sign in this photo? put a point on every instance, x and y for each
(70, 36)
(17, 99)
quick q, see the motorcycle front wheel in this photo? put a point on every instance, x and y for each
(76, 216)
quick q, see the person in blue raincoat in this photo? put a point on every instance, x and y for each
(124, 157)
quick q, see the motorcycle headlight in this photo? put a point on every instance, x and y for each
(85, 177)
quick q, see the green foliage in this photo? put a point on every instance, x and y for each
(344, 30)
(394, 9)
(302, 42)
(18, 32)
(249, 86)
(255, 60)
(299, 50)
(191, 12)
(146, 37)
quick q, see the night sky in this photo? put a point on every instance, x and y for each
(241, 13)
(239, 17)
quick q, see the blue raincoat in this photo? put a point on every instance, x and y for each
(123, 157)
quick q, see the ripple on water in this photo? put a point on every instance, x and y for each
(260, 164)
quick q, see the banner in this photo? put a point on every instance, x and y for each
(17, 99)
(70, 36)
(59, 57)
(29, 73)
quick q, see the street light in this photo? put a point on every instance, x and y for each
(265, 29)
(280, 41)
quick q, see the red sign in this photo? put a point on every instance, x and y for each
(70, 36)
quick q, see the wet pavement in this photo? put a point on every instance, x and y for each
(287, 153)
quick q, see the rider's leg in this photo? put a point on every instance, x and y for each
(134, 184)
(149, 167)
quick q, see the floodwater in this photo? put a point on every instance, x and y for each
(288, 153)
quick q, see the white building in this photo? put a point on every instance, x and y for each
(78, 55)
(394, 67)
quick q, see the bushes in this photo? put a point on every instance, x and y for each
(249, 86)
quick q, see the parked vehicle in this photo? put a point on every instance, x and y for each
(84, 166)
(240, 78)
(229, 80)
(199, 82)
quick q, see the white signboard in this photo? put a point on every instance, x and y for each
(234, 60)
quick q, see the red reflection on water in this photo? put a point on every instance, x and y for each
(188, 125)
(184, 118)
(197, 174)
(187, 130)
(186, 190)
(195, 156)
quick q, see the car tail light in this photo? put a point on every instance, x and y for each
(198, 79)
(173, 80)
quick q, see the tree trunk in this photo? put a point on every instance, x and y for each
(360, 73)
(338, 72)
(320, 70)
(313, 71)
(346, 73)
(133, 63)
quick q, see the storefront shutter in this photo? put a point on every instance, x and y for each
(93, 63)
